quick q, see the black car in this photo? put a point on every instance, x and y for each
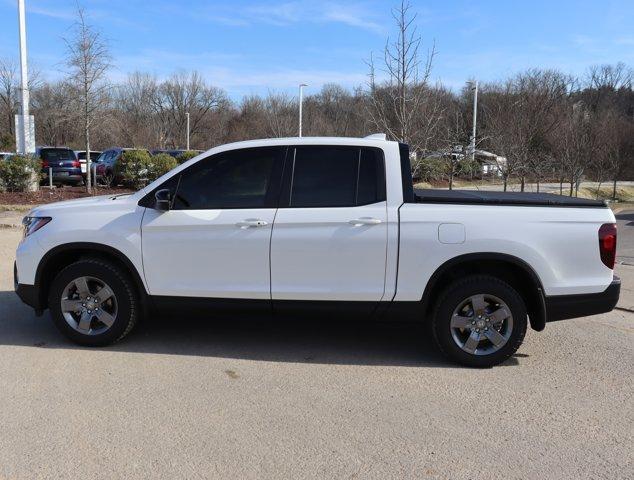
(171, 153)
(63, 162)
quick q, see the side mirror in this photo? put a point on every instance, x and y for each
(163, 200)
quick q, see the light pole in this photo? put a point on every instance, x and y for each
(301, 101)
(24, 110)
(187, 116)
(474, 87)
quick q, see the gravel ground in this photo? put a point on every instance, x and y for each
(249, 398)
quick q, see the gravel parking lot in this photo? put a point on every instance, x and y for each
(251, 398)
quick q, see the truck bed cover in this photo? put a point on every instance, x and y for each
(482, 197)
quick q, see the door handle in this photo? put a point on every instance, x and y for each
(365, 221)
(252, 222)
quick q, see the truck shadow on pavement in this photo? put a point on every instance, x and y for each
(259, 338)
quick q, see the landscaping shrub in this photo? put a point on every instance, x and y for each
(160, 165)
(187, 155)
(134, 168)
(18, 173)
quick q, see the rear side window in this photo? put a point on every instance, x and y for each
(332, 176)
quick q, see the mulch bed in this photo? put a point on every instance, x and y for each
(46, 195)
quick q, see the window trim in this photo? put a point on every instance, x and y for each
(289, 173)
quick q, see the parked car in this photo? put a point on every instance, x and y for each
(81, 156)
(319, 225)
(174, 153)
(106, 165)
(65, 167)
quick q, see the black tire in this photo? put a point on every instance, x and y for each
(454, 295)
(124, 292)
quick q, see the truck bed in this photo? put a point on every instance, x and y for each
(481, 197)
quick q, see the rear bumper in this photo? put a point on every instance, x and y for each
(65, 175)
(562, 307)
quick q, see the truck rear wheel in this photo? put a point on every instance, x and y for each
(479, 321)
(93, 302)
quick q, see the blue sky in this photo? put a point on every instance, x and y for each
(255, 46)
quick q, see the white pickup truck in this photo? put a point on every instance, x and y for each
(323, 225)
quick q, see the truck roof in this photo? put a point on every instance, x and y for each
(372, 140)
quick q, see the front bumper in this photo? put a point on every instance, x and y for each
(562, 307)
(29, 294)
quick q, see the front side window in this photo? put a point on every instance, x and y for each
(233, 179)
(331, 176)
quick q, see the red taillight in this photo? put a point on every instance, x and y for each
(76, 163)
(44, 164)
(607, 244)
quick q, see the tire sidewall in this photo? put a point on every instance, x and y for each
(457, 293)
(121, 288)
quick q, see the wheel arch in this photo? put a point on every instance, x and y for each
(62, 255)
(513, 270)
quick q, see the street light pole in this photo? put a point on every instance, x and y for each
(24, 79)
(301, 101)
(475, 119)
(187, 116)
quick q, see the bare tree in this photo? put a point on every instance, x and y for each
(88, 59)
(396, 105)
(8, 93)
(615, 146)
(57, 118)
(519, 116)
(181, 94)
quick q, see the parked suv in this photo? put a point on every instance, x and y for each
(174, 153)
(81, 156)
(65, 167)
(107, 173)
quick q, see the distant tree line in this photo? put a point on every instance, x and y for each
(548, 125)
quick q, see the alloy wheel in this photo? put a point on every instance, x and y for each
(89, 305)
(481, 324)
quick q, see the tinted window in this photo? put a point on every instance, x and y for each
(371, 188)
(337, 177)
(57, 154)
(235, 179)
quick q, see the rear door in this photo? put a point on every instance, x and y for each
(330, 235)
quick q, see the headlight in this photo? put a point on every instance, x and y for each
(33, 224)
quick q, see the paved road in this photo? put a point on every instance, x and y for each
(202, 398)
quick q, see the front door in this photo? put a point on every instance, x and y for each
(214, 242)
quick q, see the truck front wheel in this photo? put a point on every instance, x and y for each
(93, 302)
(479, 321)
